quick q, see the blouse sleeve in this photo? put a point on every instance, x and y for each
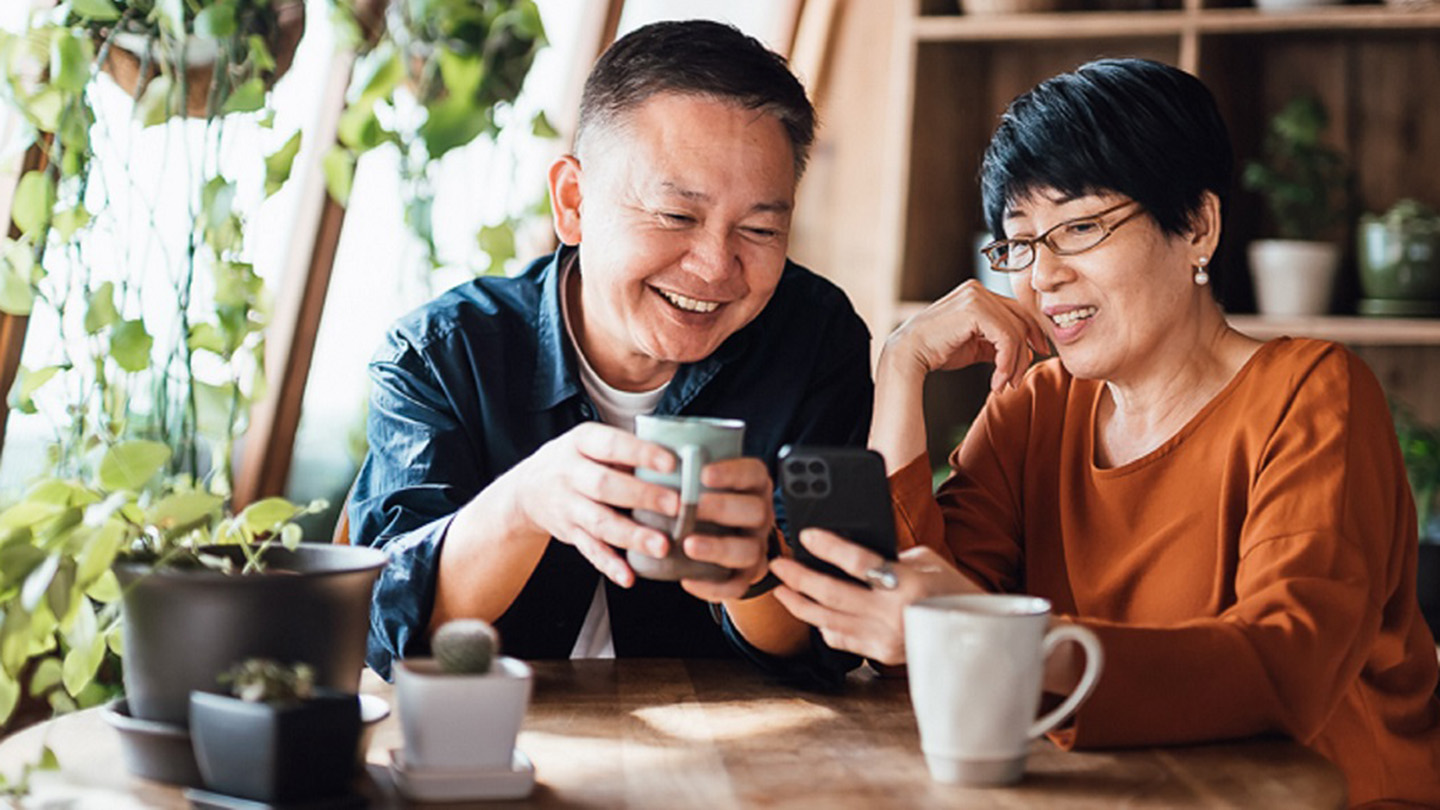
(1328, 517)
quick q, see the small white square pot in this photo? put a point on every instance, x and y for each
(461, 722)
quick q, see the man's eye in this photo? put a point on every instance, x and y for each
(762, 233)
(678, 219)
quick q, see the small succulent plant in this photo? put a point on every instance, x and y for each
(465, 646)
(260, 680)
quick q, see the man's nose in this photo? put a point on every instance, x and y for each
(712, 255)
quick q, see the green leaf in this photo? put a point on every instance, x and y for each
(386, 72)
(33, 202)
(154, 107)
(106, 589)
(69, 221)
(183, 510)
(462, 73)
(100, 310)
(62, 596)
(98, 553)
(217, 21)
(9, 695)
(128, 465)
(15, 637)
(130, 345)
(22, 394)
(46, 676)
(541, 127)
(266, 514)
(248, 97)
(30, 512)
(48, 760)
(206, 337)
(339, 166)
(98, 10)
(359, 129)
(279, 164)
(453, 122)
(498, 242)
(45, 107)
(16, 295)
(260, 54)
(87, 650)
(70, 58)
(217, 202)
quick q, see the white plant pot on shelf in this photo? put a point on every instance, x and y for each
(1284, 6)
(1293, 277)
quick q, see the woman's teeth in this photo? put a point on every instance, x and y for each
(689, 304)
(1072, 317)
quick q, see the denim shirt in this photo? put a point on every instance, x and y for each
(468, 386)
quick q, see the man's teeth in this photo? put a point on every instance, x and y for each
(690, 304)
(1072, 317)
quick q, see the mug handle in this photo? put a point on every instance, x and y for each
(1094, 660)
(692, 460)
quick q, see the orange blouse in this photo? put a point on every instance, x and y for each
(1255, 573)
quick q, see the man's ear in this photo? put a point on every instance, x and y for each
(565, 198)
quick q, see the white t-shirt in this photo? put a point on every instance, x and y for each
(618, 409)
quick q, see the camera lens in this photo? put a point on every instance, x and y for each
(821, 487)
(799, 487)
(795, 468)
(817, 467)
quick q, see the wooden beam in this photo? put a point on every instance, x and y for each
(269, 442)
(12, 327)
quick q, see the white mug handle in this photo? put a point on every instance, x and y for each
(1094, 660)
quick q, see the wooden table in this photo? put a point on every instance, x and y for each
(675, 734)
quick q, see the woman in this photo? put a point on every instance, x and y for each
(1230, 517)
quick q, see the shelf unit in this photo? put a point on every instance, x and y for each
(953, 74)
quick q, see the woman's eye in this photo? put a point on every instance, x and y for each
(1082, 227)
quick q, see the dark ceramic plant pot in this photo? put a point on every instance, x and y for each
(183, 628)
(291, 752)
(1399, 267)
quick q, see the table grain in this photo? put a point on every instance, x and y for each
(640, 733)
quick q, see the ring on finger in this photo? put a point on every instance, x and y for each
(882, 576)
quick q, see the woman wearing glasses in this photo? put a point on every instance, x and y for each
(1230, 517)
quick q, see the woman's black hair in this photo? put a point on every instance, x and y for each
(1140, 128)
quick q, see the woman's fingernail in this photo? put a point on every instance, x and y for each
(656, 547)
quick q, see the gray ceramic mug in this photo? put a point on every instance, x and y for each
(696, 441)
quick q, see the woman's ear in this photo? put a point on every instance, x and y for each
(1204, 234)
(565, 198)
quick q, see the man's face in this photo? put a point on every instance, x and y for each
(682, 215)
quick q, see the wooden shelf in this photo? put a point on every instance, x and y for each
(1141, 24)
(1351, 329)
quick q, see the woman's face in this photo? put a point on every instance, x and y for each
(1110, 310)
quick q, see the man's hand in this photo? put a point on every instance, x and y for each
(572, 486)
(745, 505)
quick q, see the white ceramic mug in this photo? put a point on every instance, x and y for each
(977, 665)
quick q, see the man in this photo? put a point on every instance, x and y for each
(501, 461)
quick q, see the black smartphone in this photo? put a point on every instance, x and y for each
(841, 489)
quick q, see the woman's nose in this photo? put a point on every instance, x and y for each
(1048, 271)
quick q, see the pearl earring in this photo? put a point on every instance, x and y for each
(1201, 277)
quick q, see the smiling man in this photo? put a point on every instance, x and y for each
(501, 467)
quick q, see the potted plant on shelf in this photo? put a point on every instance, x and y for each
(1302, 180)
(460, 712)
(275, 737)
(1399, 256)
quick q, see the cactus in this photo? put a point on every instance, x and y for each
(465, 646)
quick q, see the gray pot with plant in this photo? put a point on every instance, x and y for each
(276, 737)
(1301, 180)
(1399, 257)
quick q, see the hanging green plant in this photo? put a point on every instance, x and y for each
(440, 74)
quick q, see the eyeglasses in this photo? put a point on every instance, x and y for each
(1065, 239)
